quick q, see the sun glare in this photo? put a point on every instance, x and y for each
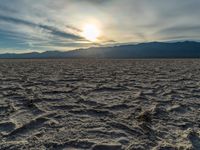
(91, 32)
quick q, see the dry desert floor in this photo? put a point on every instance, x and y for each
(79, 104)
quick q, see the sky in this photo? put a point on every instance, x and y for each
(45, 25)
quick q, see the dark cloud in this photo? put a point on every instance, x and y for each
(73, 28)
(177, 30)
(7, 9)
(60, 33)
(95, 1)
(53, 30)
(15, 20)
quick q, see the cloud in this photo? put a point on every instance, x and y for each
(7, 9)
(94, 1)
(187, 32)
(53, 30)
(195, 29)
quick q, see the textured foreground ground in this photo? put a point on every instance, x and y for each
(100, 104)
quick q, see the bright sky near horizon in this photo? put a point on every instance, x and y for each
(40, 25)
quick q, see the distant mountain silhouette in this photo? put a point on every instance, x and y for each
(187, 49)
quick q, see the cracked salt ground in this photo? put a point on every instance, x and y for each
(100, 104)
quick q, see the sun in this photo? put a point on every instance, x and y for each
(91, 32)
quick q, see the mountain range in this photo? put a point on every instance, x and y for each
(186, 49)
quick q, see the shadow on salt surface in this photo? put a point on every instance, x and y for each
(194, 139)
(6, 127)
(25, 129)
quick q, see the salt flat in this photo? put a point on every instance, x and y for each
(100, 104)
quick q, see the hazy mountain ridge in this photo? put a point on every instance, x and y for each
(187, 49)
